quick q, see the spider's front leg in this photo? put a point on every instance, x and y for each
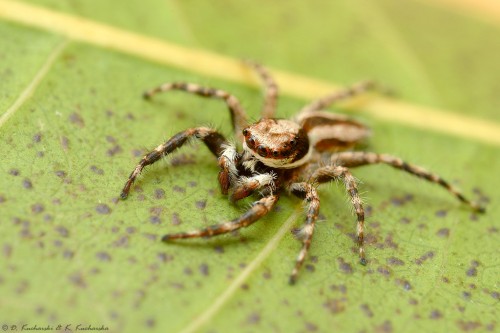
(355, 159)
(307, 192)
(328, 173)
(259, 209)
(212, 139)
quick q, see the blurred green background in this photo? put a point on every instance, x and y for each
(72, 253)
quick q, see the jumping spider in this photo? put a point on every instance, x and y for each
(283, 155)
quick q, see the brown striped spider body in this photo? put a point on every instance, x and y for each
(280, 155)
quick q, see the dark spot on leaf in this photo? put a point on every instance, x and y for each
(103, 256)
(179, 189)
(435, 314)
(150, 323)
(201, 204)
(472, 271)
(468, 326)
(183, 159)
(366, 310)
(309, 267)
(267, 275)
(67, 254)
(219, 249)
(385, 327)
(443, 232)
(204, 269)
(78, 280)
(7, 250)
(65, 143)
(110, 139)
(40, 154)
(37, 137)
(103, 209)
(154, 219)
(176, 220)
(60, 173)
(192, 184)
(245, 286)
(403, 283)
(384, 270)
(159, 193)
(395, 261)
(152, 237)
(335, 305)
(96, 170)
(495, 295)
(37, 208)
(27, 184)
(253, 318)
(76, 119)
(62, 231)
(114, 150)
(310, 327)
(466, 295)
(441, 213)
(164, 257)
(121, 242)
(188, 271)
(405, 220)
(14, 172)
(2, 198)
(424, 257)
(345, 267)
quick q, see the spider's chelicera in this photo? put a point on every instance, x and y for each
(280, 155)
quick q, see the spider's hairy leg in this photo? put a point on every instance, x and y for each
(307, 192)
(354, 159)
(270, 89)
(328, 173)
(238, 114)
(259, 209)
(212, 139)
(247, 185)
(337, 96)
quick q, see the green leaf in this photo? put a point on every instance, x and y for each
(73, 126)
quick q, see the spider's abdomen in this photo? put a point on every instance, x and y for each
(332, 132)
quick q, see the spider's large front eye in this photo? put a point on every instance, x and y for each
(245, 132)
(262, 150)
(251, 141)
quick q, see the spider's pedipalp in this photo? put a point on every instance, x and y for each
(354, 159)
(228, 171)
(333, 172)
(270, 89)
(212, 139)
(247, 185)
(307, 192)
(259, 209)
(238, 114)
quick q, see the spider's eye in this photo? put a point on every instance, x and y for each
(292, 142)
(276, 153)
(251, 141)
(262, 150)
(245, 132)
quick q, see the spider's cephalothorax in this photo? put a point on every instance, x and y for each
(284, 155)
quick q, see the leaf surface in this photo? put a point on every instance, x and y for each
(72, 253)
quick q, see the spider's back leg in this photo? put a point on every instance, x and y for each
(354, 159)
(238, 115)
(270, 89)
(307, 192)
(338, 96)
(212, 139)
